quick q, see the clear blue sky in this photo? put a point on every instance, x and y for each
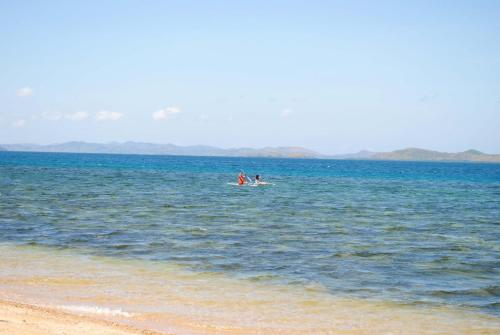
(334, 76)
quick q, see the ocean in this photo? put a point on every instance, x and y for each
(409, 235)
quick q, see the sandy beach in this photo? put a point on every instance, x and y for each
(24, 319)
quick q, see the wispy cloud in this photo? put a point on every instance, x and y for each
(108, 116)
(166, 113)
(286, 112)
(52, 116)
(19, 123)
(429, 97)
(55, 116)
(77, 116)
(24, 91)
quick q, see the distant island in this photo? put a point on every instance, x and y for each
(416, 154)
(409, 154)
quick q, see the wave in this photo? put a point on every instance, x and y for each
(96, 310)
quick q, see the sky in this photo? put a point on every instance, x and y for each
(332, 76)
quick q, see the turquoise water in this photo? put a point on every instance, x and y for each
(417, 233)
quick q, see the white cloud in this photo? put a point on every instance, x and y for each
(24, 92)
(166, 113)
(78, 116)
(286, 112)
(19, 123)
(52, 116)
(204, 117)
(159, 115)
(107, 115)
(55, 116)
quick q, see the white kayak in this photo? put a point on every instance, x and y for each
(260, 183)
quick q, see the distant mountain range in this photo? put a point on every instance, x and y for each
(410, 154)
(164, 149)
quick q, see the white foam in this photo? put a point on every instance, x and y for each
(96, 310)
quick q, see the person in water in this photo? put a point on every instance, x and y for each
(242, 178)
(257, 179)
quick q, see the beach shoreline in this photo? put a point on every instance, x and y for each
(18, 318)
(44, 291)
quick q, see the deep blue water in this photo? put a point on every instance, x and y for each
(413, 232)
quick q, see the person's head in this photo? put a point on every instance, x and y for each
(257, 177)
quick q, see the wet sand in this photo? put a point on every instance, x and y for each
(23, 319)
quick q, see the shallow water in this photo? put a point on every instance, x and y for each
(165, 297)
(423, 234)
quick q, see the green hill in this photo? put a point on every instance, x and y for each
(415, 154)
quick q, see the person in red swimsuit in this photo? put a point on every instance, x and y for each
(242, 179)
